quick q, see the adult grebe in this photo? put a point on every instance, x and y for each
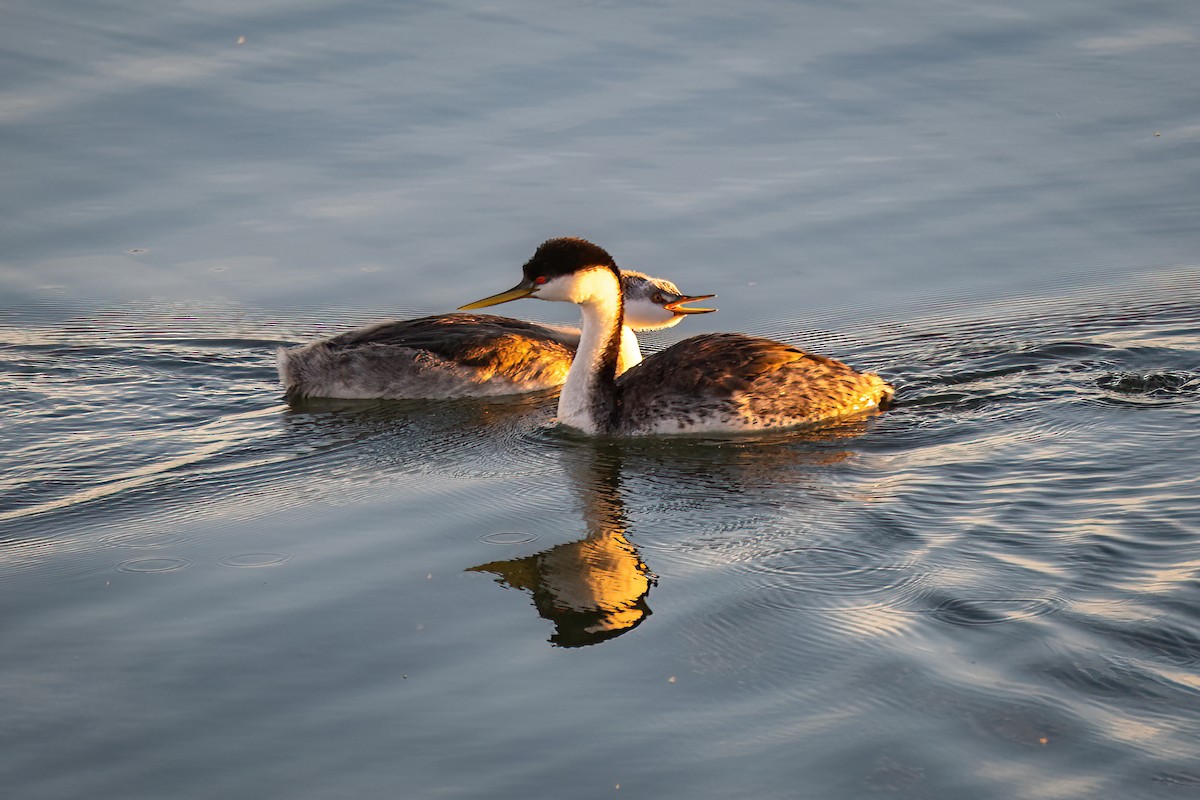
(714, 382)
(466, 355)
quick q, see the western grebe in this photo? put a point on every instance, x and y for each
(714, 382)
(467, 355)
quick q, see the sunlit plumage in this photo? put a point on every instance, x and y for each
(713, 382)
(466, 355)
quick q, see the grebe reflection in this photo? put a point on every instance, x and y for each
(593, 589)
(597, 588)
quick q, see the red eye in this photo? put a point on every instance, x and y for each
(540, 279)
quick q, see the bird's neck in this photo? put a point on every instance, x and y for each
(589, 396)
(631, 350)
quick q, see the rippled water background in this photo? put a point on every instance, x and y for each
(992, 590)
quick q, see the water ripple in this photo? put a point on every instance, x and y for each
(255, 560)
(984, 610)
(154, 565)
(824, 576)
(1151, 388)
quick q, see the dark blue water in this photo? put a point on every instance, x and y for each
(991, 590)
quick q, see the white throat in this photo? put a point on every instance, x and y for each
(631, 349)
(598, 294)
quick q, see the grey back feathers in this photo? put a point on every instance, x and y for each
(449, 355)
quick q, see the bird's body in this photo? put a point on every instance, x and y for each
(462, 355)
(730, 381)
(450, 355)
(724, 382)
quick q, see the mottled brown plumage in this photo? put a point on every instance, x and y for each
(727, 380)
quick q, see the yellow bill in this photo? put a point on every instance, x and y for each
(515, 293)
(677, 307)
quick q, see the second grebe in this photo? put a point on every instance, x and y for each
(467, 355)
(715, 382)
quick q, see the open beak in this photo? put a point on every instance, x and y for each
(522, 289)
(677, 307)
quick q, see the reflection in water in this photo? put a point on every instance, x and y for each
(593, 589)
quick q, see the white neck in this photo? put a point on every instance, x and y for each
(598, 294)
(631, 351)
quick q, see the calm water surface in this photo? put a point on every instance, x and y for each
(992, 590)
